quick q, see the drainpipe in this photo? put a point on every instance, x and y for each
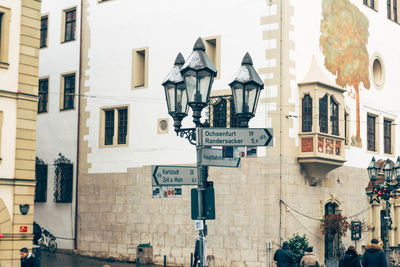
(79, 130)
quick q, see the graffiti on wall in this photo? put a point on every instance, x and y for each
(343, 41)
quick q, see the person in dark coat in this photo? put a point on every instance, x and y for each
(374, 255)
(27, 259)
(283, 256)
(350, 258)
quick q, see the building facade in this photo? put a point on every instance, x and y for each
(19, 53)
(330, 98)
(58, 119)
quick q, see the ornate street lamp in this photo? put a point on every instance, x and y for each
(396, 169)
(198, 73)
(175, 92)
(373, 170)
(388, 171)
(246, 88)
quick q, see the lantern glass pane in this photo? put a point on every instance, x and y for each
(204, 85)
(181, 99)
(170, 90)
(190, 81)
(256, 103)
(238, 97)
(250, 98)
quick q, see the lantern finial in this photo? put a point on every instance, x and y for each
(179, 59)
(199, 45)
(247, 59)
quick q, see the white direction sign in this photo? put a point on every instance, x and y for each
(235, 137)
(174, 175)
(213, 157)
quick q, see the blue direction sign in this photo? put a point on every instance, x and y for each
(235, 137)
(214, 157)
(174, 175)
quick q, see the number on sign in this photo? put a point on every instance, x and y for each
(191, 172)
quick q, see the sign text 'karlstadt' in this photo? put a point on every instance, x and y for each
(174, 175)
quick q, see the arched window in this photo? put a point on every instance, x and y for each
(323, 114)
(334, 117)
(307, 113)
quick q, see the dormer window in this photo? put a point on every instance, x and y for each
(307, 113)
(323, 114)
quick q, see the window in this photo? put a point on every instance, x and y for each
(139, 68)
(70, 25)
(43, 95)
(68, 91)
(41, 181)
(43, 31)
(334, 117)
(387, 135)
(389, 9)
(323, 114)
(370, 3)
(63, 180)
(4, 36)
(213, 48)
(395, 10)
(114, 126)
(371, 133)
(307, 114)
(346, 128)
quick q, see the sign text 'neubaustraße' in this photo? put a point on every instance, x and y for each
(235, 137)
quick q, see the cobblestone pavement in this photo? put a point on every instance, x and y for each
(69, 260)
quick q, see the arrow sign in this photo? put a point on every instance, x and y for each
(174, 175)
(235, 137)
(213, 157)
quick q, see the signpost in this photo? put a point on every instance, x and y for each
(174, 175)
(235, 137)
(214, 157)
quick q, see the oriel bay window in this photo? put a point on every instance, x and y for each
(323, 114)
(114, 126)
(307, 113)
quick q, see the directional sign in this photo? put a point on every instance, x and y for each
(214, 157)
(174, 175)
(235, 137)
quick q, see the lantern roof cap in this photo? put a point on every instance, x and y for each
(247, 73)
(174, 76)
(199, 60)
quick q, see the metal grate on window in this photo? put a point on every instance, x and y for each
(122, 125)
(63, 180)
(43, 31)
(109, 127)
(387, 128)
(70, 22)
(41, 181)
(221, 112)
(43, 95)
(69, 91)
(323, 114)
(371, 133)
(307, 113)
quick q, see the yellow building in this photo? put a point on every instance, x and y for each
(19, 59)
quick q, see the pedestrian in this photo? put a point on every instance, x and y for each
(27, 259)
(350, 258)
(309, 258)
(196, 252)
(374, 255)
(283, 256)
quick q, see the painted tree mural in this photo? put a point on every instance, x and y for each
(344, 36)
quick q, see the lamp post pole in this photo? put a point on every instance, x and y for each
(189, 84)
